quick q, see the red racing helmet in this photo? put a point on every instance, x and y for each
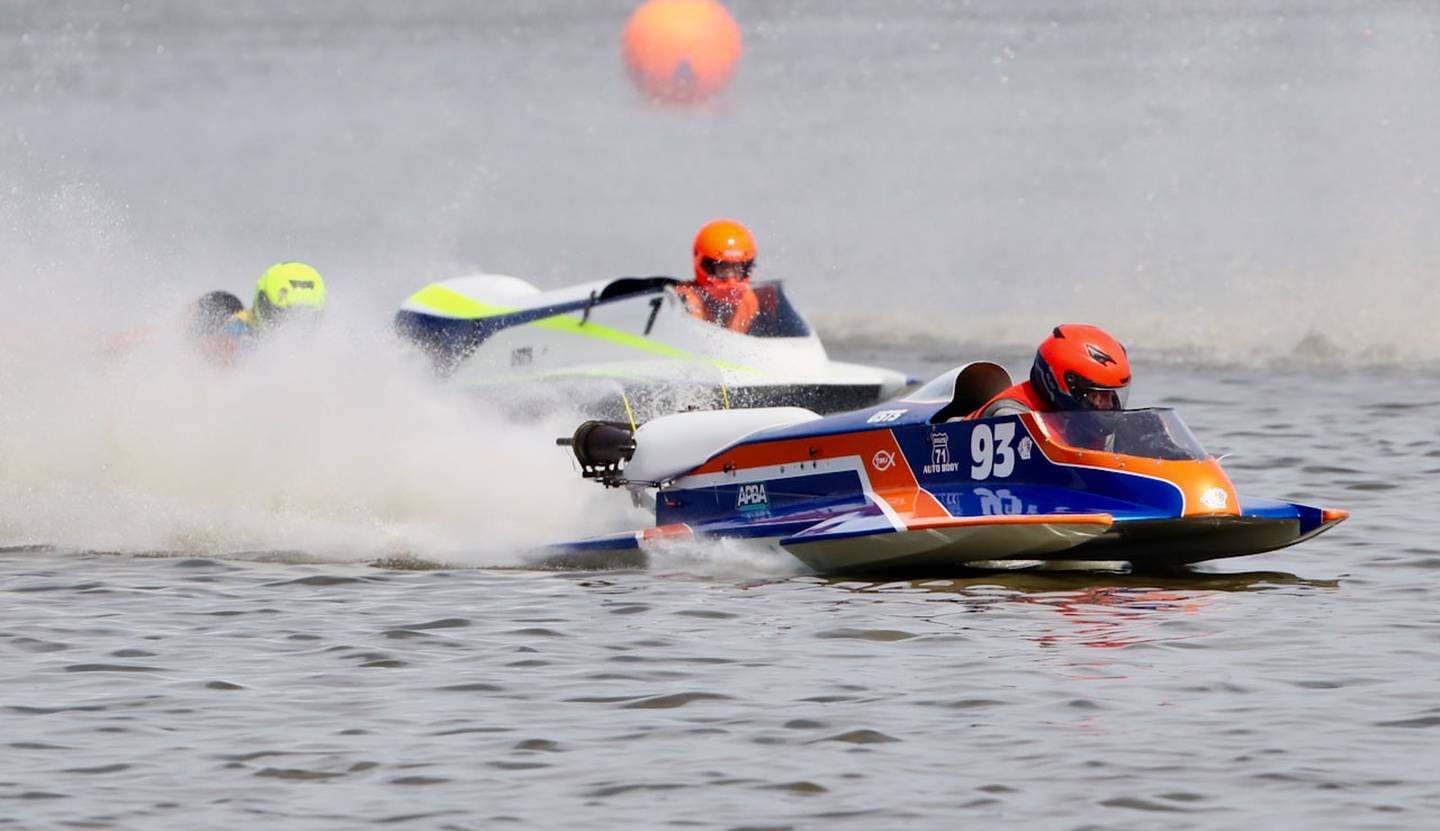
(1081, 367)
(721, 242)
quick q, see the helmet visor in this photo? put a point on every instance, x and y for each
(727, 269)
(1091, 396)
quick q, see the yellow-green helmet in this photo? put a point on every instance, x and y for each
(285, 287)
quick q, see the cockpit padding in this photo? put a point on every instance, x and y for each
(977, 382)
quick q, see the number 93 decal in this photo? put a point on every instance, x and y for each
(992, 452)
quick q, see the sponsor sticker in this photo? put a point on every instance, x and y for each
(940, 455)
(885, 416)
(1215, 499)
(1001, 502)
(752, 498)
(883, 460)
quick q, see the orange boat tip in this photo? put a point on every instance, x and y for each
(1334, 514)
(660, 532)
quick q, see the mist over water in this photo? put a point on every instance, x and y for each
(117, 434)
(334, 445)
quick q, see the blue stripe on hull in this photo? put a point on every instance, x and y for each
(741, 504)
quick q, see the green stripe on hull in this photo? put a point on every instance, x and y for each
(450, 303)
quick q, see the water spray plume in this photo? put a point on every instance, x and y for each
(340, 445)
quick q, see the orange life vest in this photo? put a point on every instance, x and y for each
(735, 313)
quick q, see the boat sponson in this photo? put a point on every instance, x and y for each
(1163, 543)
(872, 544)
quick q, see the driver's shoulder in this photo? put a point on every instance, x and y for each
(240, 323)
(1003, 407)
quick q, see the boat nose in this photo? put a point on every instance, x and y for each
(893, 383)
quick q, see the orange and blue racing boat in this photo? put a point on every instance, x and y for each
(913, 485)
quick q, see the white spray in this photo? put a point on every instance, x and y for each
(340, 445)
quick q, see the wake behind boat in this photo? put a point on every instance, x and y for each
(630, 344)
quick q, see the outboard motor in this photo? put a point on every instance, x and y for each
(602, 448)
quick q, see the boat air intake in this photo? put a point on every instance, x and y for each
(602, 448)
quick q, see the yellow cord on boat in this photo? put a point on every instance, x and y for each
(629, 414)
(725, 395)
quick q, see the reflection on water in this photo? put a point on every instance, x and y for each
(1034, 581)
(325, 695)
(1105, 611)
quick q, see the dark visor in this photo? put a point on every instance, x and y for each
(1092, 396)
(712, 267)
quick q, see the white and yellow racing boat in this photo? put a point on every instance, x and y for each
(629, 343)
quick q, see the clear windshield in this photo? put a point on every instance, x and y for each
(937, 390)
(777, 318)
(1151, 434)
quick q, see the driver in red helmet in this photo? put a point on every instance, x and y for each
(724, 254)
(1079, 367)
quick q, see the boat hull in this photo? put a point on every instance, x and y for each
(629, 344)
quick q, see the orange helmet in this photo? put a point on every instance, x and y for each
(1080, 367)
(723, 241)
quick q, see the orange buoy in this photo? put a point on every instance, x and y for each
(681, 51)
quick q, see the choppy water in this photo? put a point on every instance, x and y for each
(717, 689)
(207, 620)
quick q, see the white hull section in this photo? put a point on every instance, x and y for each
(644, 339)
